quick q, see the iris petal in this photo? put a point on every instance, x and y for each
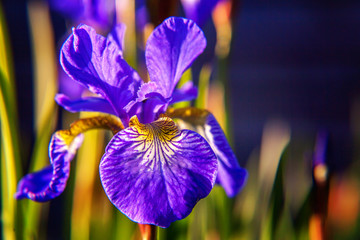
(199, 11)
(187, 92)
(87, 104)
(170, 50)
(154, 105)
(117, 36)
(230, 175)
(155, 173)
(100, 13)
(96, 62)
(51, 181)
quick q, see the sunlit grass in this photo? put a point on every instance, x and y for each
(10, 149)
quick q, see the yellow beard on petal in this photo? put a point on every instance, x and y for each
(158, 140)
(164, 129)
(100, 122)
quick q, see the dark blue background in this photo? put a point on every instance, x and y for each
(297, 61)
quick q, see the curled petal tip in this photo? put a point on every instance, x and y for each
(50, 182)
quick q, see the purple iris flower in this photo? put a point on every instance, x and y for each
(153, 170)
(93, 12)
(196, 10)
(102, 12)
(199, 10)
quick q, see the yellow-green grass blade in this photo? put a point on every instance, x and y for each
(275, 139)
(124, 227)
(39, 159)
(45, 85)
(87, 163)
(45, 70)
(203, 87)
(10, 157)
(125, 13)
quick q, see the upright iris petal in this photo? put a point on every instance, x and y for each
(97, 63)
(155, 173)
(170, 50)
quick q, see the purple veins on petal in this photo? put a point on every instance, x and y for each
(155, 173)
(50, 182)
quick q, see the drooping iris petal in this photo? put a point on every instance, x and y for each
(51, 181)
(230, 175)
(96, 62)
(155, 173)
(199, 10)
(89, 104)
(170, 50)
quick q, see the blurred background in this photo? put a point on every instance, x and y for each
(282, 76)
